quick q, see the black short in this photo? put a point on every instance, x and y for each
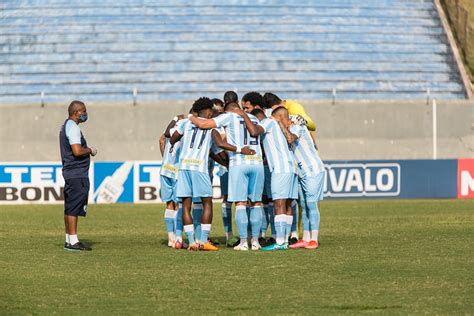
(76, 196)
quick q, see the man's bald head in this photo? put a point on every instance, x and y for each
(75, 106)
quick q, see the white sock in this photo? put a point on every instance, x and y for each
(67, 238)
(306, 235)
(243, 241)
(170, 236)
(73, 239)
(289, 222)
(314, 235)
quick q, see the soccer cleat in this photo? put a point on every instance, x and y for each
(255, 245)
(262, 241)
(232, 242)
(292, 240)
(242, 247)
(313, 244)
(79, 246)
(178, 244)
(214, 242)
(194, 247)
(274, 247)
(299, 244)
(208, 247)
(66, 244)
(270, 241)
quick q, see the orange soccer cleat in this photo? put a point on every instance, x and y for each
(313, 244)
(208, 247)
(299, 244)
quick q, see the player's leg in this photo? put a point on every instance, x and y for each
(202, 188)
(197, 214)
(281, 188)
(294, 225)
(184, 191)
(312, 198)
(178, 224)
(167, 192)
(226, 211)
(302, 243)
(268, 207)
(255, 190)
(238, 180)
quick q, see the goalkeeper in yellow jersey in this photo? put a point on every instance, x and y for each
(295, 109)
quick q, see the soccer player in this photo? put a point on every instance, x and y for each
(75, 157)
(310, 178)
(251, 101)
(276, 138)
(245, 172)
(193, 176)
(168, 178)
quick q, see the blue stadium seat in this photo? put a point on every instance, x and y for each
(102, 50)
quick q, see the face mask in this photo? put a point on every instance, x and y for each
(83, 117)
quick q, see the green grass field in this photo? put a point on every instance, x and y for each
(391, 257)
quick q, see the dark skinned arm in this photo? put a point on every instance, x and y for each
(162, 144)
(216, 137)
(203, 123)
(79, 151)
(254, 130)
(176, 137)
(290, 137)
(219, 159)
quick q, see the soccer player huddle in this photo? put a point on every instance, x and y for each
(268, 164)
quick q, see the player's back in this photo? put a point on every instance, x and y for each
(170, 160)
(238, 135)
(195, 146)
(306, 155)
(277, 152)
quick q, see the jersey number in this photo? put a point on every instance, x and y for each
(247, 135)
(193, 138)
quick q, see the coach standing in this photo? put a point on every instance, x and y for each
(75, 157)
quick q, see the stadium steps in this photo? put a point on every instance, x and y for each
(100, 51)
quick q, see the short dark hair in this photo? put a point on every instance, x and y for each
(280, 109)
(202, 103)
(257, 112)
(218, 102)
(231, 105)
(74, 107)
(230, 96)
(271, 99)
(254, 98)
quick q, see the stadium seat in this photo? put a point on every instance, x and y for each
(101, 51)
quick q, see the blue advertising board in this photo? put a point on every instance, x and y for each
(139, 181)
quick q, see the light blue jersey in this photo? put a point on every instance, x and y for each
(277, 152)
(304, 152)
(195, 146)
(238, 135)
(170, 161)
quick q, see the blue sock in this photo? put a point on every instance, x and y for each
(205, 230)
(169, 221)
(197, 214)
(294, 225)
(280, 227)
(314, 216)
(256, 220)
(271, 219)
(305, 218)
(189, 230)
(178, 222)
(263, 228)
(242, 221)
(227, 217)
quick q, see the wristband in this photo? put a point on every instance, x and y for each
(238, 150)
